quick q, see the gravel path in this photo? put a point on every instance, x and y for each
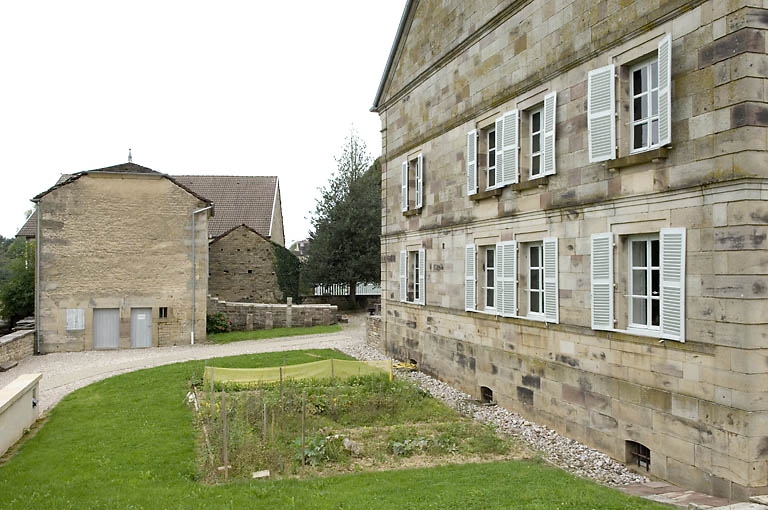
(66, 372)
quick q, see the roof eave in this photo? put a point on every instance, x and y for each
(392, 53)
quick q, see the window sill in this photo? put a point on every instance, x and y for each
(538, 182)
(496, 192)
(412, 212)
(651, 156)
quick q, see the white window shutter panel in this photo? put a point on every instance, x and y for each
(403, 275)
(404, 186)
(550, 107)
(471, 162)
(469, 277)
(665, 90)
(509, 146)
(601, 277)
(601, 114)
(673, 283)
(422, 275)
(499, 278)
(499, 152)
(419, 180)
(551, 305)
(507, 281)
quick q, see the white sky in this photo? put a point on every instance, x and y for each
(192, 87)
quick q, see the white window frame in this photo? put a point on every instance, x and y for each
(649, 94)
(413, 270)
(649, 297)
(530, 270)
(491, 158)
(489, 277)
(413, 165)
(540, 134)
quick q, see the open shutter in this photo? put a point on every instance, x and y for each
(551, 307)
(403, 275)
(601, 276)
(472, 162)
(665, 96)
(404, 186)
(506, 278)
(550, 106)
(499, 153)
(601, 113)
(469, 278)
(419, 180)
(673, 283)
(509, 144)
(422, 275)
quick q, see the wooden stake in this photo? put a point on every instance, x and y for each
(303, 408)
(225, 433)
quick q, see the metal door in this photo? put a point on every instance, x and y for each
(106, 328)
(141, 327)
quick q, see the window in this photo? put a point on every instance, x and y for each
(644, 281)
(655, 286)
(413, 276)
(163, 312)
(75, 319)
(491, 158)
(535, 148)
(650, 105)
(412, 183)
(542, 296)
(644, 105)
(535, 279)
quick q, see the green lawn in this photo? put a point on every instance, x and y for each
(129, 442)
(260, 334)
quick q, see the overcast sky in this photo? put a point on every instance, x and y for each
(221, 88)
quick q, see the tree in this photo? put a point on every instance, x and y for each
(17, 291)
(344, 242)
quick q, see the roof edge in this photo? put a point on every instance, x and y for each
(411, 4)
(224, 234)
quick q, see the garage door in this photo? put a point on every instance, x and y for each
(106, 328)
(141, 327)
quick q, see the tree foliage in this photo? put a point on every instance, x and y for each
(344, 242)
(17, 289)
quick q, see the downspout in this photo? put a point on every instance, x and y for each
(194, 271)
(37, 278)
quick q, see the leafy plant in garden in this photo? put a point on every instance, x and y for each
(217, 323)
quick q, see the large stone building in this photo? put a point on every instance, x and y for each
(575, 221)
(121, 261)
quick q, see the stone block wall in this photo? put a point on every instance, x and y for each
(373, 336)
(17, 345)
(250, 316)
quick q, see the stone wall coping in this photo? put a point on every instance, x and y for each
(16, 335)
(274, 305)
(16, 389)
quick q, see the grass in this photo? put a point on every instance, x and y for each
(260, 334)
(129, 442)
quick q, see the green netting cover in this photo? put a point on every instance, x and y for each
(324, 369)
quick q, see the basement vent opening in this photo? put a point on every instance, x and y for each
(413, 362)
(638, 454)
(163, 312)
(250, 271)
(486, 395)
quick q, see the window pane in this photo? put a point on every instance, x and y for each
(639, 282)
(640, 136)
(536, 122)
(639, 311)
(492, 158)
(492, 140)
(536, 143)
(535, 165)
(489, 278)
(535, 280)
(535, 302)
(655, 315)
(640, 80)
(655, 132)
(655, 287)
(535, 256)
(639, 258)
(655, 102)
(654, 253)
(489, 256)
(489, 297)
(492, 177)
(655, 74)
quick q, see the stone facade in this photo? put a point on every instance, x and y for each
(692, 389)
(242, 268)
(17, 346)
(250, 316)
(120, 238)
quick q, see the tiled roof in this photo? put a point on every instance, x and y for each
(239, 200)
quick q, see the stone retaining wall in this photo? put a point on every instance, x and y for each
(373, 332)
(250, 316)
(17, 346)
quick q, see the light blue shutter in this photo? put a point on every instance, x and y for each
(419, 180)
(665, 96)
(509, 144)
(404, 186)
(601, 113)
(422, 275)
(551, 308)
(506, 278)
(673, 283)
(472, 162)
(403, 275)
(550, 106)
(469, 277)
(601, 277)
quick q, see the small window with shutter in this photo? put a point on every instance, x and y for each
(412, 183)
(413, 266)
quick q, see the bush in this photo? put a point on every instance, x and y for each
(217, 323)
